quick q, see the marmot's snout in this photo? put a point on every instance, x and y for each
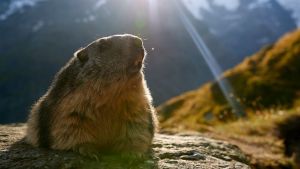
(137, 56)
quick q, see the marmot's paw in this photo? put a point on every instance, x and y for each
(88, 150)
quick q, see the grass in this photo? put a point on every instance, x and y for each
(257, 137)
(267, 79)
(267, 87)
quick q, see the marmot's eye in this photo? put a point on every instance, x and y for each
(104, 44)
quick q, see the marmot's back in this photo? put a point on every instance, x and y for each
(98, 101)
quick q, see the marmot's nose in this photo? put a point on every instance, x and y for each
(137, 48)
(137, 55)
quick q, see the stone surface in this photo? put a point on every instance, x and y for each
(169, 151)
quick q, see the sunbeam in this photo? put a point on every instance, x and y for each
(211, 62)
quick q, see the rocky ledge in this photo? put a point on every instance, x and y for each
(169, 151)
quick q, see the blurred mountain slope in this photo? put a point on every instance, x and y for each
(268, 79)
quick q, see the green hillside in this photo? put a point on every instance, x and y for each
(268, 80)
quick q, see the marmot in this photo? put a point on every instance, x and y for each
(98, 101)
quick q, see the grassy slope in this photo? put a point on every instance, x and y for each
(257, 137)
(268, 80)
(266, 84)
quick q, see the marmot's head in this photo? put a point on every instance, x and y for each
(117, 58)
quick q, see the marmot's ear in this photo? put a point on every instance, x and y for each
(82, 55)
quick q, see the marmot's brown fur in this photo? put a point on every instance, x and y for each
(98, 101)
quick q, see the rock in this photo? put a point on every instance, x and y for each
(169, 151)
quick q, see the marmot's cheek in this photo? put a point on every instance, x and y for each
(135, 64)
(138, 64)
(135, 68)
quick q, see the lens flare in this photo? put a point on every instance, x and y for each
(211, 62)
